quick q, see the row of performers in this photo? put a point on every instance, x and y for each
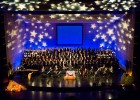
(67, 51)
(80, 70)
(75, 63)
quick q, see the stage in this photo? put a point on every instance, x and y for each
(42, 87)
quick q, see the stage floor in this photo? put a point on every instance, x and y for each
(42, 80)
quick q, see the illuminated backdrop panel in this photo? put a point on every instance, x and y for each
(69, 34)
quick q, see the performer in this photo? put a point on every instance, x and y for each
(29, 76)
(91, 70)
(80, 70)
(56, 70)
(85, 72)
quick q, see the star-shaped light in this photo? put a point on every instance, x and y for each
(105, 40)
(19, 46)
(124, 42)
(130, 36)
(36, 43)
(115, 26)
(23, 43)
(102, 45)
(18, 21)
(94, 40)
(21, 6)
(113, 37)
(110, 32)
(93, 26)
(110, 42)
(122, 31)
(12, 48)
(99, 21)
(47, 24)
(89, 31)
(9, 45)
(44, 44)
(24, 37)
(100, 27)
(20, 51)
(103, 36)
(39, 40)
(97, 36)
(39, 21)
(41, 27)
(13, 42)
(118, 49)
(83, 8)
(124, 48)
(52, 16)
(50, 37)
(40, 36)
(13, 33)
(41, 16)
(125, 25)
(112, 1)
(20, 30)
(33, 33)
(31, 40)
(115, 17)
(32, 24)
(120, 40)
(34, 18)
(9, 23)
(99, 18)
(128, 42)
(27, 29)
(98, 2)
(18, 36)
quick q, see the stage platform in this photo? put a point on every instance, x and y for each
(43, 82)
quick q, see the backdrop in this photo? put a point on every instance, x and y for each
(102, 31)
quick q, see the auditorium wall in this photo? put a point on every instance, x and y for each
(39, 32)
